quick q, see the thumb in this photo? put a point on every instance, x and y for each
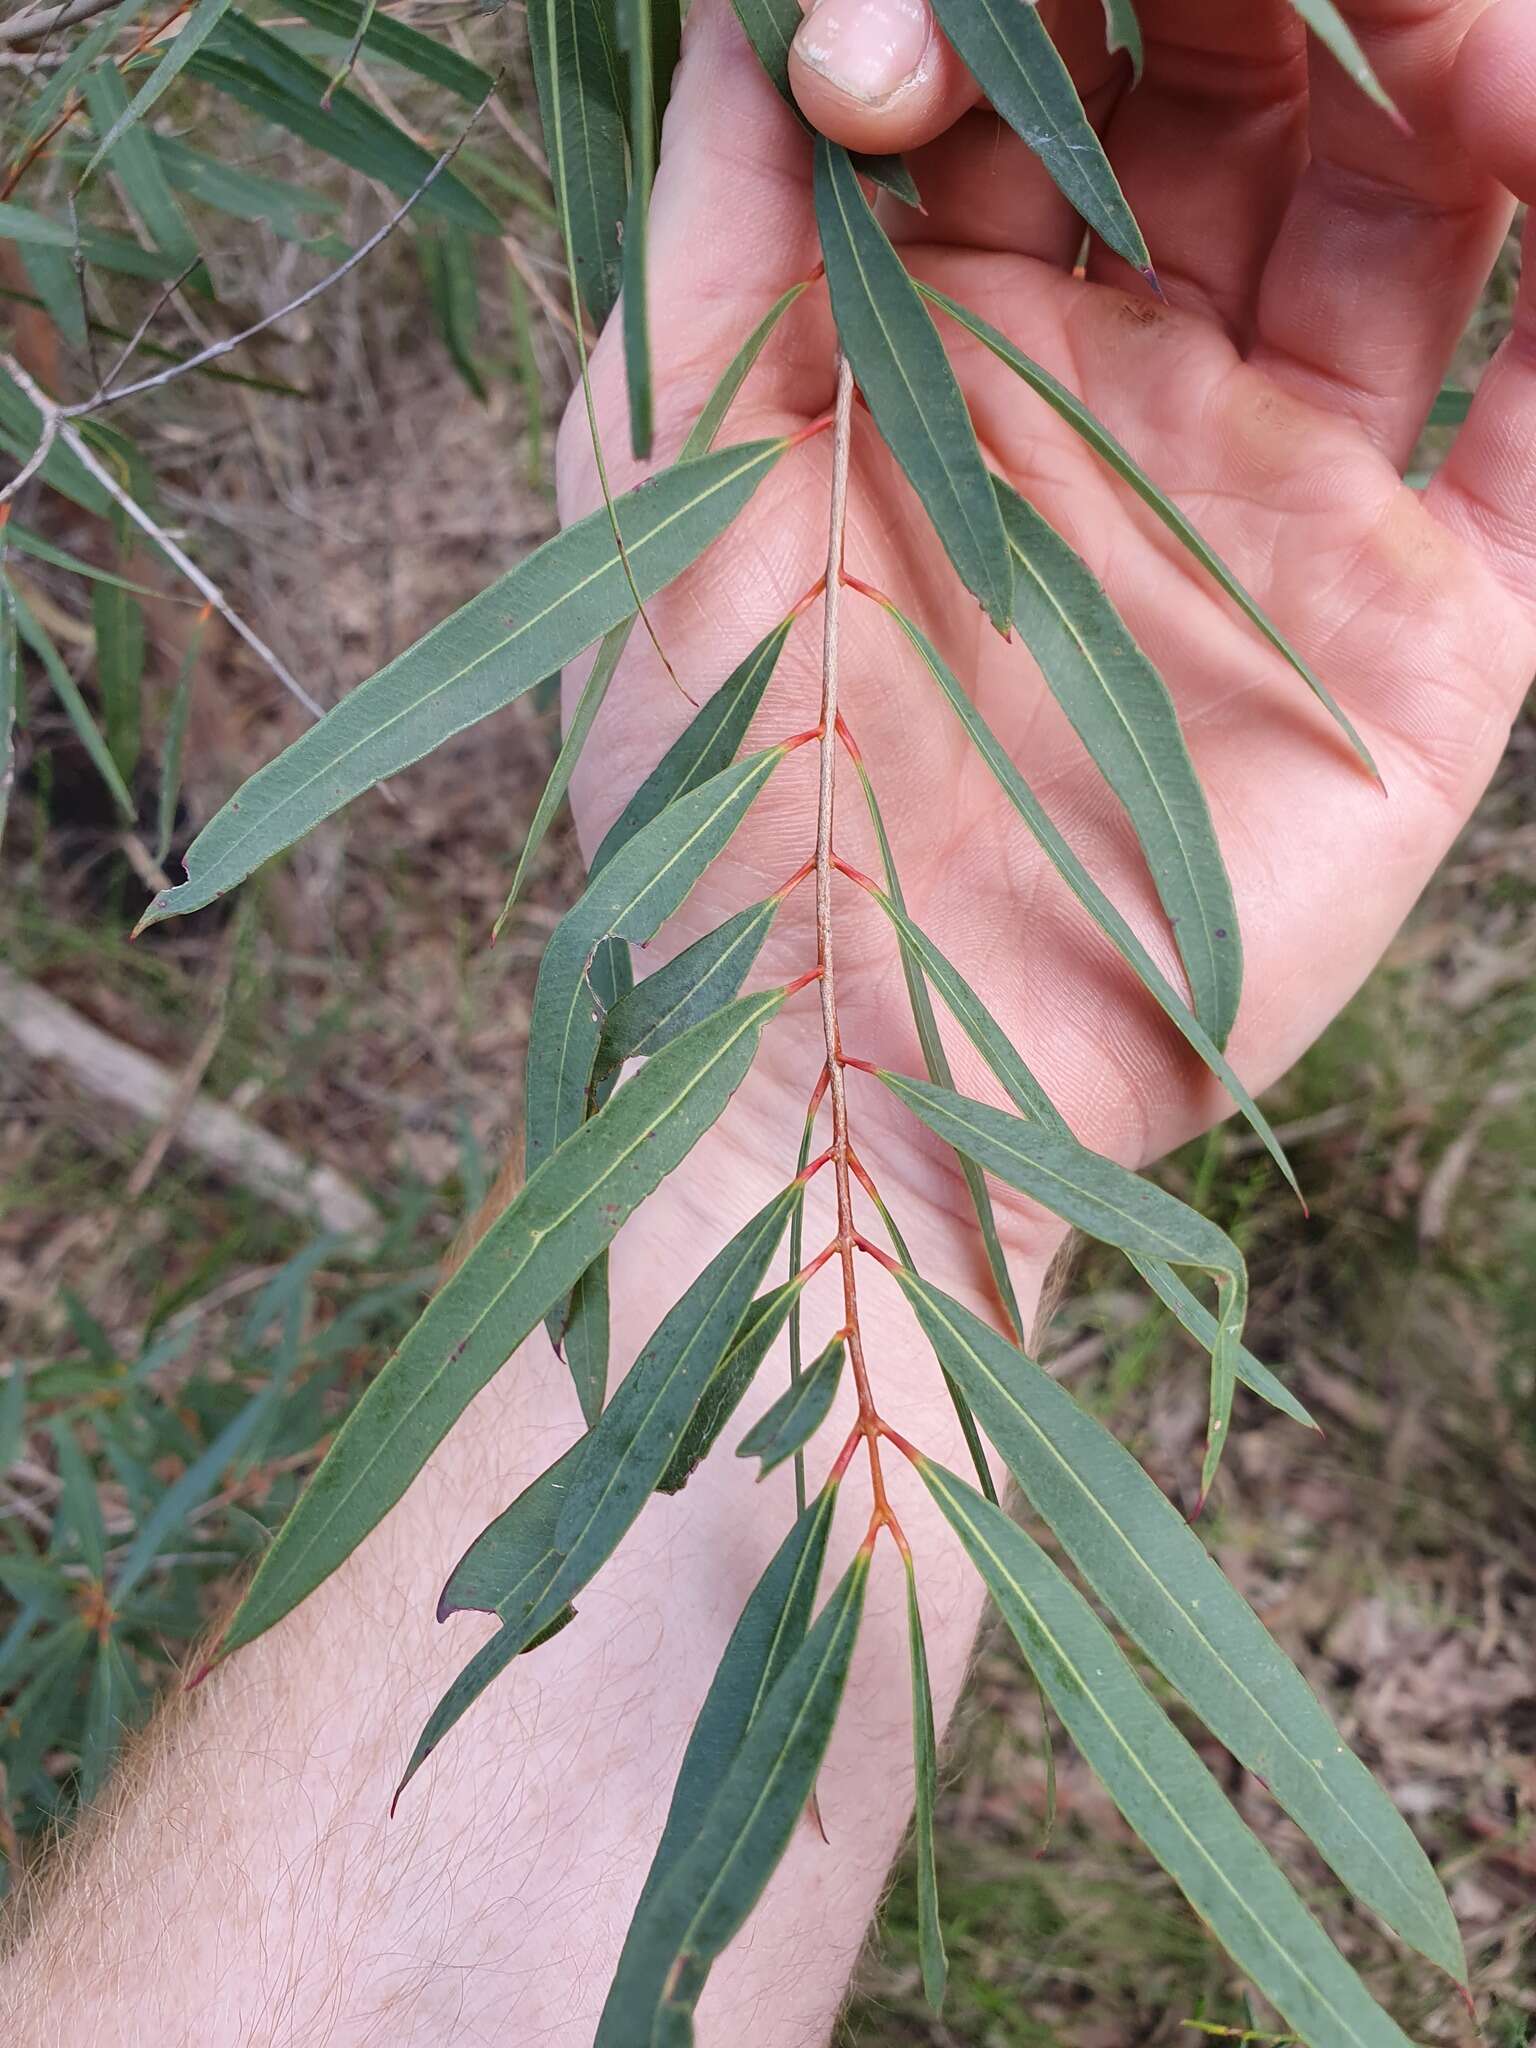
(877, 75)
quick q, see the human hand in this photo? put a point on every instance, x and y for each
(1319, 267)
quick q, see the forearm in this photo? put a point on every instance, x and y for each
(245, 1882)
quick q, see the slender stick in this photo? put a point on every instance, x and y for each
(847, 1238)
(56, 419)
(234, 341)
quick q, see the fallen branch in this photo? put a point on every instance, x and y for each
(113, 1072)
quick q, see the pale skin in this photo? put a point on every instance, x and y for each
(243, 1882)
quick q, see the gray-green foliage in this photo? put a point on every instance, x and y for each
(598, 1145)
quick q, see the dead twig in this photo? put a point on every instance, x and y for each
(49, 1030)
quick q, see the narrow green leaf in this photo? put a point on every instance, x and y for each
(527, 374)
(75, 707)
(13, 1404)
(109, 1707)
(1335, 33)
(1031, 88)
(530, 1258)
(708, 973)
(630, 897)
(97, 245)
(453, 290)
(398, 43)
(715, 1882)
(1124, 33)
(640, 1429)
(907, 382)
(1088, 892)
(925, 1749)
(1452, 404)
(119, 625)
(772, 1627)
(727, 1385)
(936, 1060)
(1161, 1786)
(1109, 450)
(51, 274)
(10, 697)
(260, 71)
(1124, 716)
(243, 194)
(139, 171)
(576, 71)
(194, 32)
(552, 796)
(770, 27)
(705, 746)
(538, 616)
(175, 737)
(584, 1338)
(1031, 1100)
(488, 1663)
(510, 1563)
(26, 542)
(48, 103)
(78, 1514)
(797, 1414)
(704, 429)
(1201, 1325)
(1108, 1202)
(635, 26)
(1141, 1558)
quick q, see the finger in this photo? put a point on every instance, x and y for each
(1208, 149)
(731, 226)
(984, 188)
(1486, 490)
(1390, 235)
(877, 75)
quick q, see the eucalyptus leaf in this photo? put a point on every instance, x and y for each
(639, 1431)
(1087, 891)
(936, 1060)
(715, 1882)
(1122, 713)
(1009, 48)
(567, 1212)
(398, 43)
(10, 696)
(630, 897)
(140, 172)
(1142, 1559)
(794, 1418)
(727, 1385)
(1108, 1202)
(1161, 1786)
(907, 383)
(487, 1664)
(771, 1628)
(1123, 32)
(176, 55)
(584, 1338)
(635, 25)
(925, 1749)
(78, 712)
(576, 71)
(705, 747)
(702, 977)
(1109, 450)
(509, 1563)
(565, 595)
(1334, 32)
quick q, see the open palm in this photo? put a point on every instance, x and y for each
(1320, 267)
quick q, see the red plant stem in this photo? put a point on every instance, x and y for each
(807, 867)
(868, 1425)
